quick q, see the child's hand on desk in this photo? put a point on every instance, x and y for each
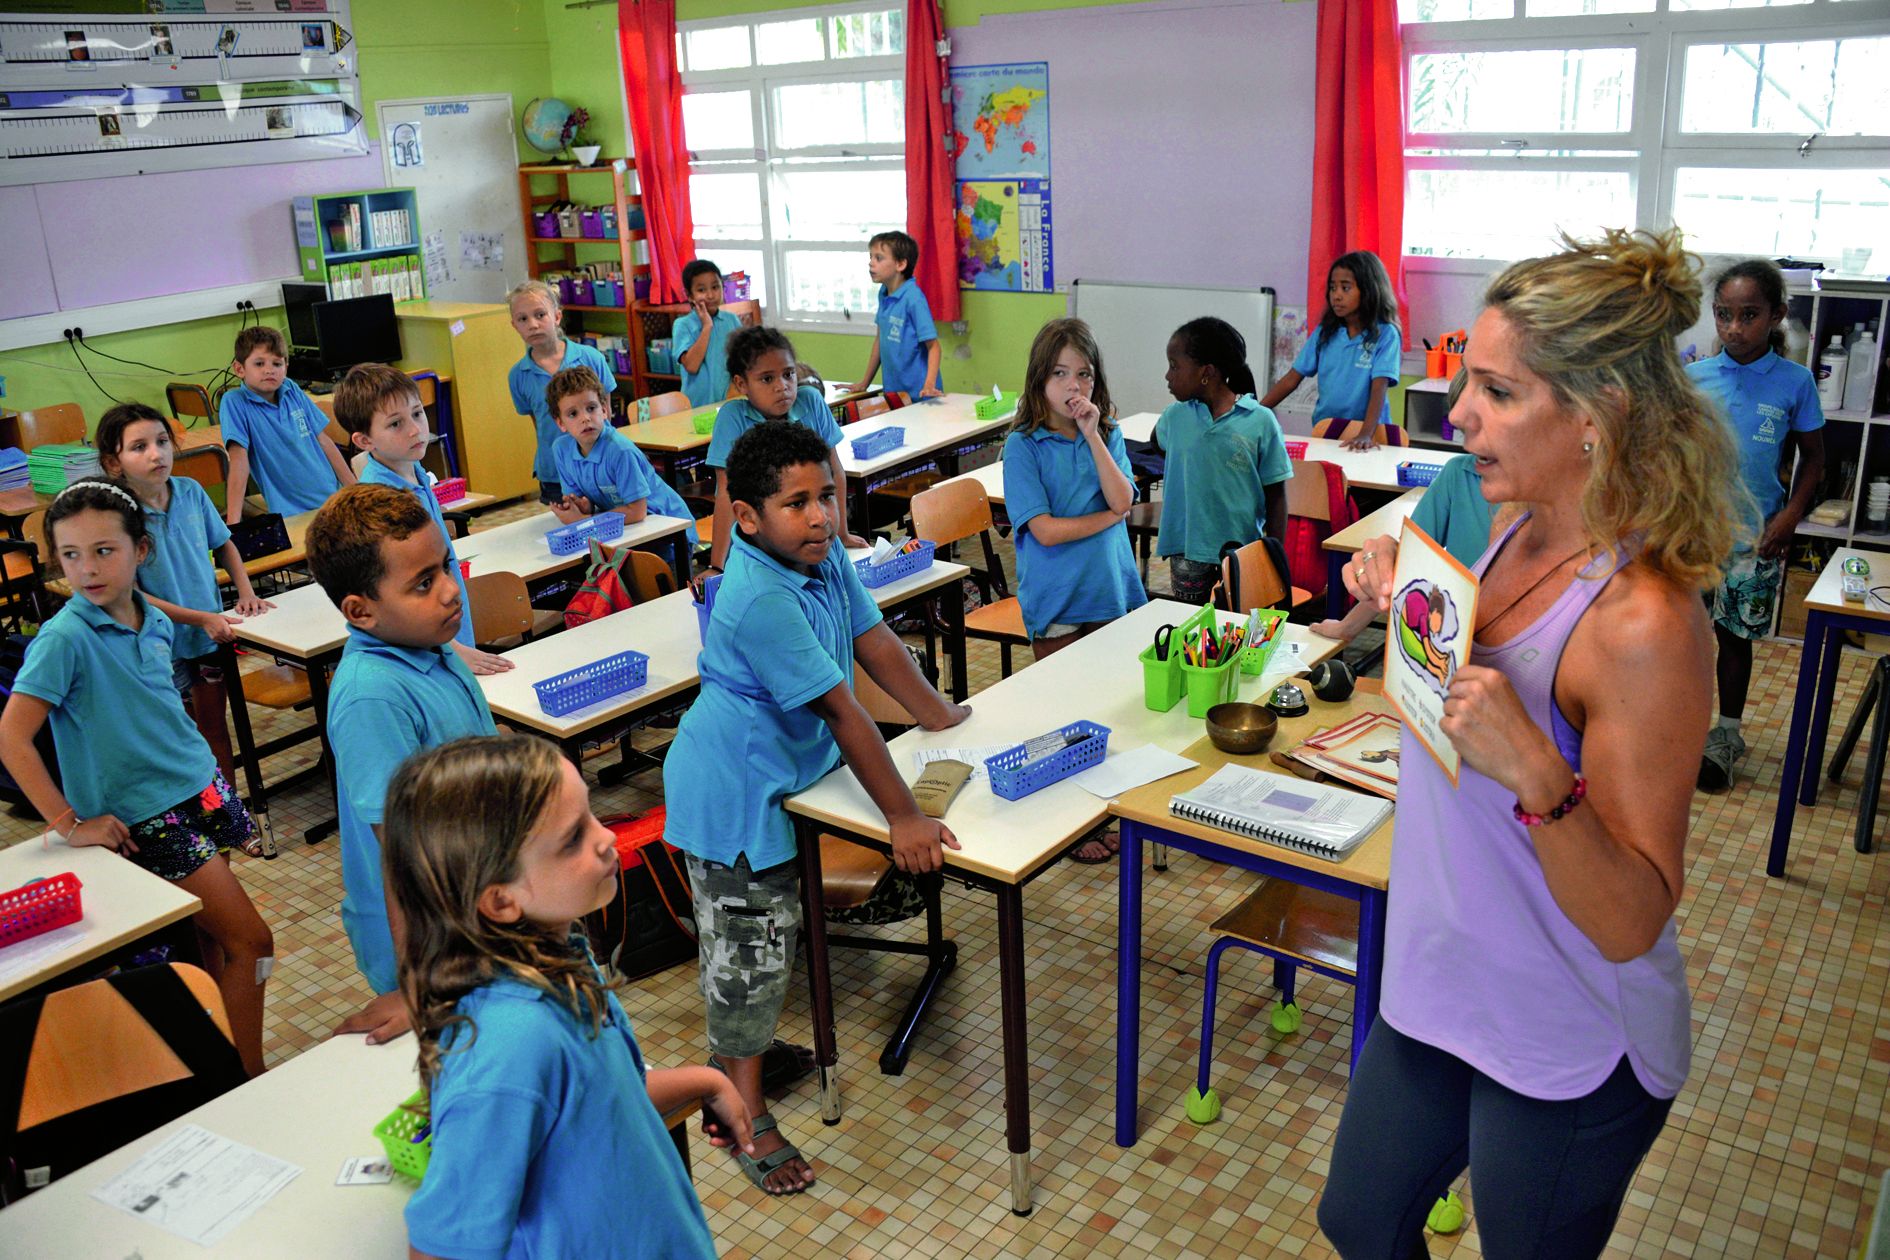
(567, 509)
(853, 542)
(254, 606)
(105, 830)
(1363, 442)
(932, 391)
(383, 1019)
(952, 715)
(918, 843)
(220, 627)
(483, 662)
(725, 1118)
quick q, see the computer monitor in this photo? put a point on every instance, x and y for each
(356, 330)
(298, 307)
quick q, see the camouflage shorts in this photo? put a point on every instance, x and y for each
(746, 924)
(1742, 604)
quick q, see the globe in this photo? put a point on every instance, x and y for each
(544, 123)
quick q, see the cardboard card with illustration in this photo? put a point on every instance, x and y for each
(1429, 628)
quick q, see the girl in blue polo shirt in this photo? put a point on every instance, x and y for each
(134, 442)
(1067, 491)
(547, 1129)
(535, 318)
(137, 776)
(1356, 351)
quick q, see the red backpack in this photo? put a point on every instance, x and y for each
(651, 923)
(603, 592)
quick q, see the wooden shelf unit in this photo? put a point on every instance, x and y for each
(653, 321)
(565, 249)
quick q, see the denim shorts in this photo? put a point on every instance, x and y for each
(746, 922)
(188, 672)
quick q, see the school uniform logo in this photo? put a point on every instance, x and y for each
(896, 328)
(1771, 417)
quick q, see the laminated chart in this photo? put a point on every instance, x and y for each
(1001, 158)
(103, 89)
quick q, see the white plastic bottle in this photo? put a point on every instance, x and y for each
(1857, 372)
(1831, 370)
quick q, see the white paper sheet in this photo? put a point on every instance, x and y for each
(1121, 771)
(974, 757)
(1288, 660)
(197, 1185)
(30, 954)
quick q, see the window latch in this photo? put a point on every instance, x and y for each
(1804, 149)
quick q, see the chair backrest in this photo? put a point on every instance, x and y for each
(950, 511)
(45, 426)
(649, 577)
(1345, 430)
(866, 408)
(208, 466)
(1252, 577)
(33, 529)
(427, 385)
(501, 606)
(188, 400)
(1309, 493)
(669, 404)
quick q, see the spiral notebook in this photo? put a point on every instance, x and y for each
(1279, 809)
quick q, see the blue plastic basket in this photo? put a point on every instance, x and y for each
(878, 442)
(568, 540)
(709, 586)
(1012, 777)
(600, 680)
(915, 561)
(1410, 474)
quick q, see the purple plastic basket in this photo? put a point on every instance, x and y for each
(643, 288)
(545, 224)
(568, 540)
(579, 688)
(1012, 777)
(591, 223)
(915, 561)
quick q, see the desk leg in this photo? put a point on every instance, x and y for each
(1010, 899)
(246, 744)
(1335, 584)
(1371, 966)
(954, 609)
(1830, 655)
(679, 559)
(1128, 982)
(1795, 751)
(318, 701)
(814, 925)
(859, 517)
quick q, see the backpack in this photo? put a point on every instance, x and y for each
(650, 925)
(603, 591)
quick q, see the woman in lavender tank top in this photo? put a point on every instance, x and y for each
(1534, 1020)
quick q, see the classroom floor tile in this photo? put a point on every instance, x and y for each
(1774, 1149)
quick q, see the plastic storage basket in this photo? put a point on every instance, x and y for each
(704, 421)
(38, 907)
(878, 442)
(1161, 679)
(575, 689)
(915, 561)
(1012, 777)
(991, 408)
(1410, 474)
(406, 1156)
(1254, 657)
(452, 490)
(568, 540)
(709, 586)
(1295, 448)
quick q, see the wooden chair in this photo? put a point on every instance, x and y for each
(1252, 577)
(649, 577)
(1145, 526)
(1310, 497)
(189, 403)
(208, 466)
(51, 578)
(1345, 430)
(45, 426)
(956, 510)
(21, 586)
(851, 873)
(502, 613)
(670, 403)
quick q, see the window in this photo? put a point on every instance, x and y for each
(1759, 126)
(796, 130)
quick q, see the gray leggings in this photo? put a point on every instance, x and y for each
(1549, 1176)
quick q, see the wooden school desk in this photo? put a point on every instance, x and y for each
(1340, 547)
(671, 442)
(1827, 616)
(1006, 843)
(1364, 876)
(938, 431)
(121, 900)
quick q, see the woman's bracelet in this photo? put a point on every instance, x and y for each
(1569, 802)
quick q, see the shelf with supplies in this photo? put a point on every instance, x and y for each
(1857, 431)
(595, 256)
(357, 244)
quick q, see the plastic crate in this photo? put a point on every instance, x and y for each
(1012, 777)
(1295, 449)
(39, 906)
(703, 421)
(988, 408)
(707, 605)
(915, 561)
(578, 688)
(452, 490)
(1254, 658)
(1410, 474)
(878, 442)
(396, 1133)
(568, 540)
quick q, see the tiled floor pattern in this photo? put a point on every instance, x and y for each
(1774, 1148)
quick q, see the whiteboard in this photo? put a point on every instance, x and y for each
(460, 156)
(1133, 322)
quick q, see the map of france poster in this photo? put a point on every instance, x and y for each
(1001, 156)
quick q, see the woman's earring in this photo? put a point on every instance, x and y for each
(1588, 448)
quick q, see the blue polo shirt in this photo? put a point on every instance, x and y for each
(126, 746)
(386, 703)
(1762, 400)
(778, 638)
(616, 473)
(1090, 579)
(374, 472)
(283, 439)
(545, 1142)
(1214, 487)
(1454, 512)
(710, 383)
(528, 381)
(738, 415)
(905, 325)
(1346, 367)
(179, 569)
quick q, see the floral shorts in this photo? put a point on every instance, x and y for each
(181, 839)
(1743, 601)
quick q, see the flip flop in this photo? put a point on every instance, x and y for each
(783, 1064)
(758, 1169)
(1101, 838)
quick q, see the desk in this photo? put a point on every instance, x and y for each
(1369, 470)
(1388, 519)
(1364, 876)
(670, 441)
(937, 432)
(1006, 843)
(991, 477)
(1827, 616)
(122, 902)
(1139, 427)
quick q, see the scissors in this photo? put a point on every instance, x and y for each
(1162, 636)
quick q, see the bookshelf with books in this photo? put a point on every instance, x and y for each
(585, 238)
(361, 243)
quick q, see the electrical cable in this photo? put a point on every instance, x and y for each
(73, 343)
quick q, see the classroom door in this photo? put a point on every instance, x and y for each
(460, 156)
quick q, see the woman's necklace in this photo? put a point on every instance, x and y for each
(1547, 574)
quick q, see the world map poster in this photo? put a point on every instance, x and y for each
(1001, 159)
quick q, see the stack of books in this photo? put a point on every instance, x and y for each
(53, 468)
(13, 472)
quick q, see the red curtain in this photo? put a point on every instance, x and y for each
(646, 32)
(1358, 146)
(930, 191)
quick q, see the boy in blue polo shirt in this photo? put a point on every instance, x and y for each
(775, 714)
(599, 468)
(381, 410)
(701, 336)
(907, 344)
(399, 688)
(274, 433)
(535, 316)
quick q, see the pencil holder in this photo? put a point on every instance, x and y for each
(40, 906)
(1413, 474)
(915, 561)
(579, 688)
(878, 442)
(709, 587)
(1161, 680)
(1452, 362)
(568, 540)
(396, 1133)
(1270, 632)
(704, 421)
(1209, 685)
(989, 408)
(1434, 363)
(1012, 777)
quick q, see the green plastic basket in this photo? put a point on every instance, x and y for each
(1209, 685)
(704, 421)
(989, 408)
(1161, 680)
(1253, 660)
(406, 1156)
